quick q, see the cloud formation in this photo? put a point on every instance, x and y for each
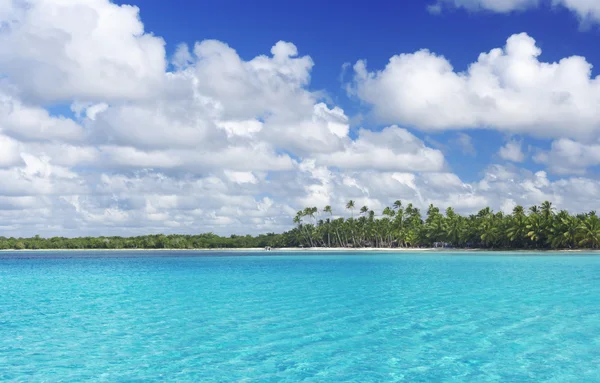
(512, 151)
(83, 50)
(569, 157)
(507, 89)
(585, 10)
(208, 141)
(501, 6)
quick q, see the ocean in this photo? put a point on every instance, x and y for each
(299, 317)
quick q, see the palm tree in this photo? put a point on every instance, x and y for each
(546, 209)
(339, 224)
(590, 232)
(517, 229)
(364, 210)
(453, 228)
(313, 213)
(298, 218)
(310, 212)
(298, 221)
(489, 229)
(565, 231)
(398, 204)
(535, 229)
(350, 206)
(542, 227)
(327, 209)
(399, 224)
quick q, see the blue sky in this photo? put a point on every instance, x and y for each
(130, 117)
(333, 33)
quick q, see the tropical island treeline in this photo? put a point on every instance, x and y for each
(540, 227)
(155, 241)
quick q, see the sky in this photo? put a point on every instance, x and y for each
(135, 117)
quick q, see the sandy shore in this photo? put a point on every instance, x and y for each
(311, 249)
(252, 249)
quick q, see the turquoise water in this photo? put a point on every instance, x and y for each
(169, 317)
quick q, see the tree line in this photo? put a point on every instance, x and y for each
(157, 241)
(540, 227)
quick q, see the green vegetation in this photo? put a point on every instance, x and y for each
(541, 227)
(159, 241)
(403, 226)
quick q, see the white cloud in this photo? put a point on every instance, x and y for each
(320, 132)
(32, 123)
(508, 205)
(569, 157)
(241, 177)
(241, 128)
(245, 89)
(391, 149)
(55, 50)
(501, 188)
(585, 10)
(39, 177)
(232, 145)
(465, 144)
(507, 89)
(9, 152)
(144, 126)
(258, 156)
(511, 151)
(501, 6)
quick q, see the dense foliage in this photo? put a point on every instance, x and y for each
(541, 227)
(159, 241)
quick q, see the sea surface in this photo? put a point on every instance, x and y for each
(297, 317)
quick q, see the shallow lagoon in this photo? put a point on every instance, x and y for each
(289, 317)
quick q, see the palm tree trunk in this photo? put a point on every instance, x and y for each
(310, 242)
(337, 232)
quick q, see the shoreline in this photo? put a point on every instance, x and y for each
(315, 249)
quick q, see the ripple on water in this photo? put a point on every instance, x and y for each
(361, 318)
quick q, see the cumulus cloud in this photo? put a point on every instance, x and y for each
(321, 131)
(511, 151)
(507, 89)
(9, 152)
(261, 156)
(569, 157)
(217, 142)
(194, 149)
(87, 50)
(501, 188)
(241, 89)
(32, 123)
(391, 149)
(586, 10)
